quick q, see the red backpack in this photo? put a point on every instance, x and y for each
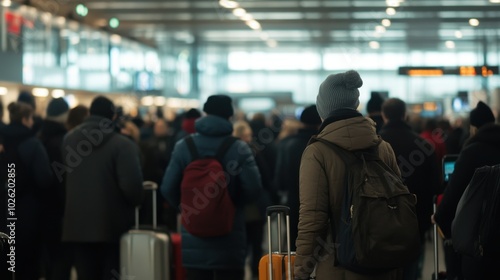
(206, 207)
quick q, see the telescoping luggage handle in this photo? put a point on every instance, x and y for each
(279, 209)
(436, 261)
(148, 185)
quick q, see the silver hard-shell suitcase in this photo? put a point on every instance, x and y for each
(145, 254)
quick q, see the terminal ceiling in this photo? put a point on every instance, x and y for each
(416, 25)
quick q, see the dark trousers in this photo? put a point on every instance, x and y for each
(57, 260)
(255, 231)
(96, 261)
(221, 274)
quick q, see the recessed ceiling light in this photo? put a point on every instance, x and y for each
(228, 4)
(239, 12)
(450, 44)
(390, 11)
(495, 1)
(386, 22)
(379, 29)
(272, 43)
(255, 25)
(473, 22)
(392, 3)
(374, 45)
(458, 34)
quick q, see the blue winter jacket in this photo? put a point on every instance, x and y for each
(228, 251)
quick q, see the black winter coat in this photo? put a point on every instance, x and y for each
(33, 176)
(51, 135)
(289, 155)
(103, 182)
(482, 149)
(418, 165)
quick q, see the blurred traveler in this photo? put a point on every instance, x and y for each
(131, 131)
(188, 123)
(157, 152)
(76, 116)
(28, 98)
(483, 148)
(418, 165)
(453, 142)
(264, 139)
(26, 163)
(57, 256)
(220, 257)
(290, 149)
(2, 124)
(103, 185)
(374, 109)
(322, 174)
(436, 137)
(255, 212)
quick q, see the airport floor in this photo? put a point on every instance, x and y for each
(428, 267)
(427, 271)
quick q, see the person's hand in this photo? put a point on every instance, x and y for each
(432, 219)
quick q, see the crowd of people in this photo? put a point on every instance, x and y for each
(79, 175)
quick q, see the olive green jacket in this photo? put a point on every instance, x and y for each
(321, 191)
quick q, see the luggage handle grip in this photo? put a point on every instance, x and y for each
(278, 209)
(148, 185)
(269, 211)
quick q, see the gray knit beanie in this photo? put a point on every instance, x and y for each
(338, 91)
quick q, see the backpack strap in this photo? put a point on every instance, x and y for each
(192, 148)
(346, 156)
(224, 147)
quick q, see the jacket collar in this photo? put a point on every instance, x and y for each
(339, 115)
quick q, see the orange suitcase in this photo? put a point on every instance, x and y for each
(281, 263)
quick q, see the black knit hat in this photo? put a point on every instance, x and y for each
(219, 105)
(192, 114)
(27, 97)
(57, 107)
(310, 116)
(103, 107)
(375, 103)
(481, 115)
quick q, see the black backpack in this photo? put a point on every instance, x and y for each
(475, 231)
(378, 229)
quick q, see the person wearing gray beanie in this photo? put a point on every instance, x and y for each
(338, 91)
(322, 170)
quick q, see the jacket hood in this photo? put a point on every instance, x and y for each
(97, 130)
(488, 134)
(15, 132)
(355, 133)
(213, 126)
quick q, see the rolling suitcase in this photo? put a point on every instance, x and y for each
(281, 265)
(145, 253)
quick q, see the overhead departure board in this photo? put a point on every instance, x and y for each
(426, 71)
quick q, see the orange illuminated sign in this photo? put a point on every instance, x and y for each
(484, 71)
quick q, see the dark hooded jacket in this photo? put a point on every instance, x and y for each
(286, 178)
(51, 135)
(32, 176)
(482, 149)
(228, 251)
(418, 165)
(103, 182)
